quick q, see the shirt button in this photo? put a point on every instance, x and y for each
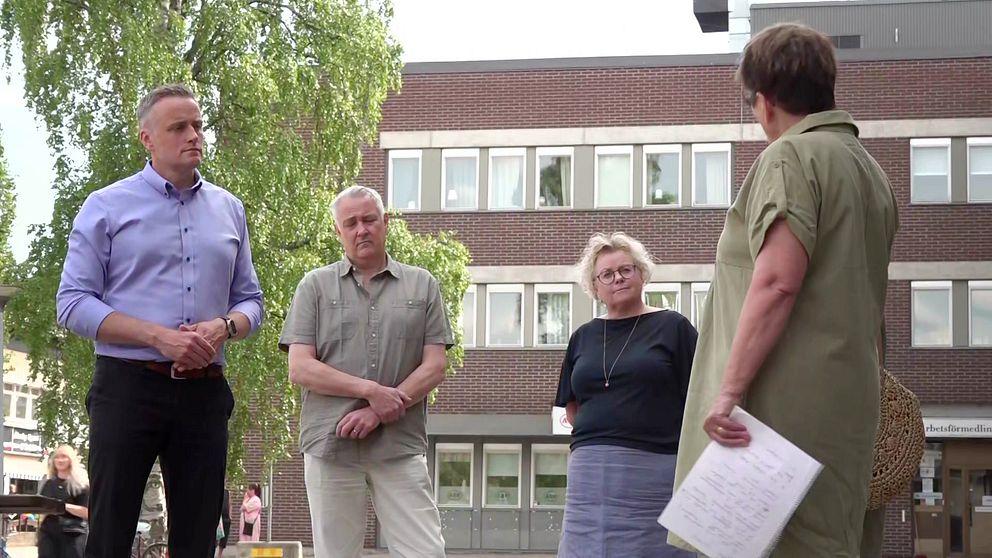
(373, 365)
(187, 258)
(373, 334)
(185, 229)
(373, 307)
(188, 289)
(182, 203)
(187, 320)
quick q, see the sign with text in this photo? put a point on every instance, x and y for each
(958, 427)
(559, 422)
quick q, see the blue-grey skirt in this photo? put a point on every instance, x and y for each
(614, 497)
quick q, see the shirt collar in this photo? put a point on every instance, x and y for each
(392, 266)
(838, 120)
(161, 185)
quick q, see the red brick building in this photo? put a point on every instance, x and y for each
(524, 160)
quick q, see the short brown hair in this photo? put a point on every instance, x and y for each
(793, 66)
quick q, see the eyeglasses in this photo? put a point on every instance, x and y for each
(607, 276)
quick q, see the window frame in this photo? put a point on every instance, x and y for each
(405, 154)
(475, 310)
(928, 142)
(504, 288)
(930, 286)
(723, 147)
(975, 286)
(508, 152)
(674, 148)
(697, 287)
(453, 153)
(665, 288)
(545, 448)
(627, 150)
(459, 447)
(552, 288)
(501, 449)
(553, 152)
(982, 142)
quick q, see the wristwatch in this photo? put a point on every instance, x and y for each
(232, 328)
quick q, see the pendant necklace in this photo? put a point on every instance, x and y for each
(608, 375)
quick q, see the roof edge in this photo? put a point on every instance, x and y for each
(728, 59)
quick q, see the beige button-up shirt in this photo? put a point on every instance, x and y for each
(377, 334)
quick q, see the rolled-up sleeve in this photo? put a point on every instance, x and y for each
(438, 329)
(79, 301)
(782, 191)
(246, 293)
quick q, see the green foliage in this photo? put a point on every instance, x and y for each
(7, 205)
(263, 69)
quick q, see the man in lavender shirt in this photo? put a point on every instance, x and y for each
(159, 273)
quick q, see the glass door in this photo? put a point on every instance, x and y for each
(978, 530)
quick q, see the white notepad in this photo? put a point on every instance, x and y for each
(735, 502)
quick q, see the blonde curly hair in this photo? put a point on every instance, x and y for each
(600, 243)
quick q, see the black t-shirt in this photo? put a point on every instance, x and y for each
(66, 522)
(642, 407)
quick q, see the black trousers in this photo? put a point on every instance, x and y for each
(137, 415)
(56, 544)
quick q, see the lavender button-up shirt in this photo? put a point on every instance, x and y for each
(172, 257)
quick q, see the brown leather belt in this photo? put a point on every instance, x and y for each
(165, 369)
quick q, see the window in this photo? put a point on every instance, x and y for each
(662, 295)
(553, 317)
(460, 179)
(662, 175)
(504, 311)
(22, 408)
(506, 178)
(614, 176)
(453, 469)
(846, 41)
(931, 308)
(502, 477)
(980, 313)
(598, 309)
(550, 470)
(699, 293)
(930, 164)
(6, 405)
(404, 179)
(711, 174)
(980, 169)
(467, 320)
(554, 177)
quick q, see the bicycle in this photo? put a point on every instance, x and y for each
(154, 549)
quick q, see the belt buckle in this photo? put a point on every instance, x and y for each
(172, 373)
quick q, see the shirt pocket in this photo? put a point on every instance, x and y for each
(410, 319)
(341, 321)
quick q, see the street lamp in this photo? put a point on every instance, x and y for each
(6, 292)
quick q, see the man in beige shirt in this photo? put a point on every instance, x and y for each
(366, 338)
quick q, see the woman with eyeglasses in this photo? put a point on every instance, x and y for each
(796, 303)
(623, 384)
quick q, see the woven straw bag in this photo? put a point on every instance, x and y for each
(899, 443)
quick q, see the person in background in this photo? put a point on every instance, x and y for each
(251, 511)
(623, 385)
(64, 535)
(225, 524)
(796, 303)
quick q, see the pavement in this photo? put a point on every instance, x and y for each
(32, 552)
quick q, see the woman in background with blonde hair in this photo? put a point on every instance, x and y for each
(623, 385)
(64, 535)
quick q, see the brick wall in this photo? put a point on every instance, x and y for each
(673, 95)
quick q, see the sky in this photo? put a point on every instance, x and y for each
(428, 30)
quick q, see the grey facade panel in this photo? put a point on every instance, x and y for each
(905, 25)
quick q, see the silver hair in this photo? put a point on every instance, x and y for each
(354, 192)
(159, 93)
(617, 241)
